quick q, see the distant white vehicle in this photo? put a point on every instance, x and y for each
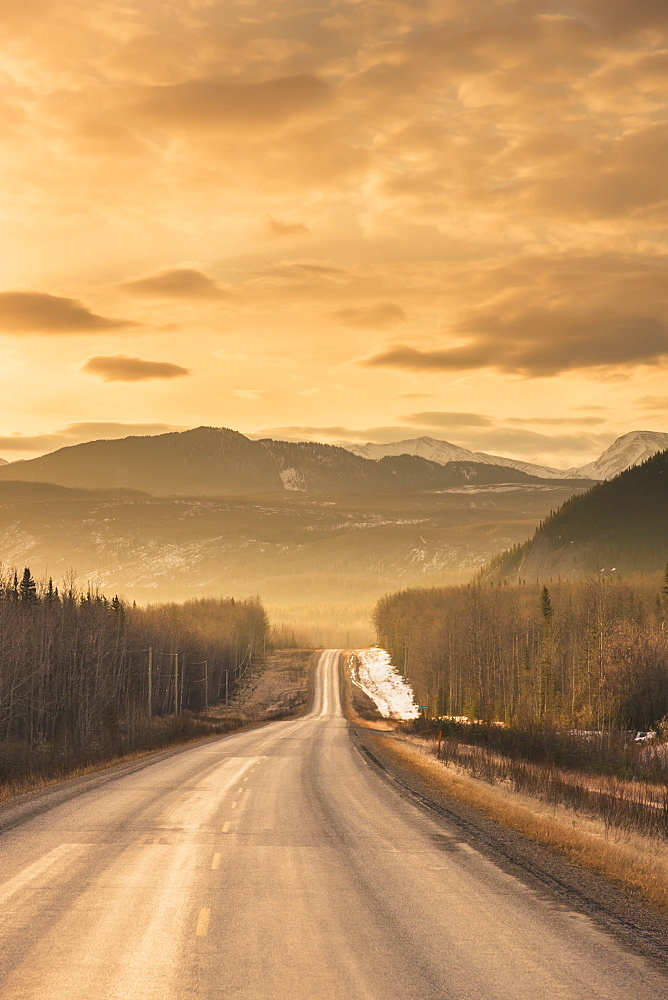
(642, 737)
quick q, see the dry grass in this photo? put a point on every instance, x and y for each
(631, 859)
(278, 688)
(640, 806)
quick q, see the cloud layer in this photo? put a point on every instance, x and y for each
(78, 433)
(338, 204)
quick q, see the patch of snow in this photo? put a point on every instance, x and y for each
(293, 480)
(373, 672)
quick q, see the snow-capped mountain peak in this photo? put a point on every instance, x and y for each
(424, 447)
(629, 449)
(444, 452)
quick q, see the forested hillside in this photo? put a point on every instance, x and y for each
(591, 654)
(619, 527)
(84, 678)
(206, 460)
(309, 466)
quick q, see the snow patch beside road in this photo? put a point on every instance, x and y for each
(373, 672)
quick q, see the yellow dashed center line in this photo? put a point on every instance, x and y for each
(215, 862)
(226, 827)
(203, 921)
(234, 805)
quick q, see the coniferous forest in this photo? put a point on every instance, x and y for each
(85, 678)
(589, 654)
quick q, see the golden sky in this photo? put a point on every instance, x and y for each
(355, 219)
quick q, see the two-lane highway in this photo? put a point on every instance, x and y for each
(276, 864)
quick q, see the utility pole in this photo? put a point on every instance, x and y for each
(150, 681)
(206, 687)
(227, 675)
(176, 683)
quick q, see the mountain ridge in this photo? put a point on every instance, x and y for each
(627, 450)
(219, 461)
(209, 461)
(444, 452)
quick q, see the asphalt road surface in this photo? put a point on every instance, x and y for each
(277, 865)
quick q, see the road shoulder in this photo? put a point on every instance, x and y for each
(620, 910)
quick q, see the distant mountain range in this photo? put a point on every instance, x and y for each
(626, 451)
(617, 527)
(214, 461)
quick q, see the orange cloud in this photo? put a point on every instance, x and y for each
(120, 368)
(178, 283)
(212, 104)
(278, 228)
(37, 312)
(379, 315)
(540, 343)
(543, 315)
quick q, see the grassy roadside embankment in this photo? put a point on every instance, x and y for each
(630, 860)
(280, 689)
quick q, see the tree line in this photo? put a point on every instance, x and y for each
(83, 677)
(591, 654)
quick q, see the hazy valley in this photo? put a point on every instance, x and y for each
(318, 532)
(296, 551)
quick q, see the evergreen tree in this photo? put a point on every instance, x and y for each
(51, 596)
(27, 587)
(546, 608)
